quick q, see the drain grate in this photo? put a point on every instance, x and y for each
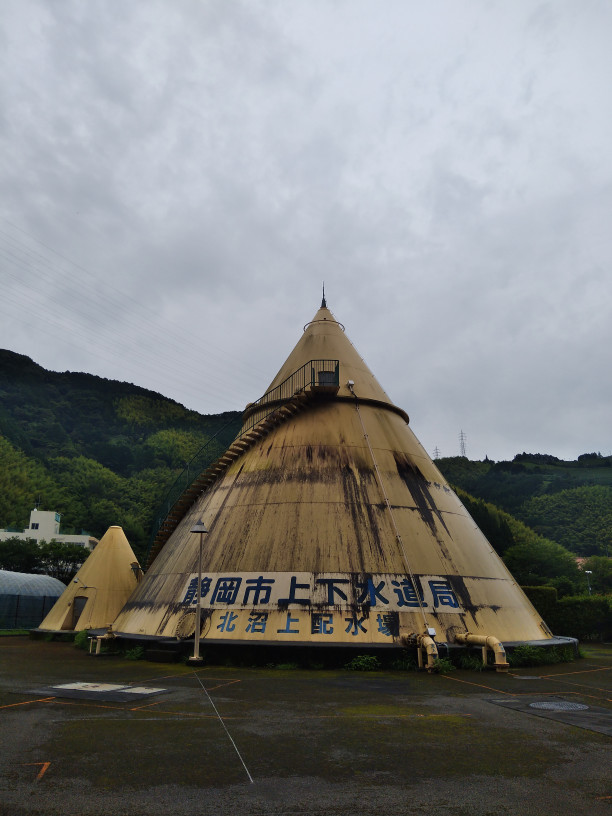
(559, 706)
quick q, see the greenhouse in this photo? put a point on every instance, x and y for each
(26, 599)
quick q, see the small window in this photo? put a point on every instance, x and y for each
(35, 525)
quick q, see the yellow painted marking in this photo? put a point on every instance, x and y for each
(43, 769)
(378, 716)
(168, 676)
(480, 685)
(29, 702)
(583, 686)
(584, 671)
(198, 715)
(125, 708)
(221, 685)
(89, 705)
(148, 705)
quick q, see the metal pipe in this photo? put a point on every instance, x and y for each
(487, 642)
(426, 642)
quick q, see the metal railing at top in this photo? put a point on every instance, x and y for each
(314, 373)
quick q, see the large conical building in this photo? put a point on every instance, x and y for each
(327, 523)
(93, 599)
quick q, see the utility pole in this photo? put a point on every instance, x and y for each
(436, 452)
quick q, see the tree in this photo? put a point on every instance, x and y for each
(19, 555)
(492, 522)
(601, 569)
(540, 561)
(579, 518)
(62, 561)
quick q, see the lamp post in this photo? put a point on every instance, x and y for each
(198, 527)
(587, 573)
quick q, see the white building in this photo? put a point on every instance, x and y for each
(45, 525)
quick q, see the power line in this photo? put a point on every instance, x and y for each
(36, 274)
(107, 295)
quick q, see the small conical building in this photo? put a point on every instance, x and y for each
(93, 599)
(327, 523)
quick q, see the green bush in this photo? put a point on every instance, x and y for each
(539, 561)
(527, 655)
(404, 662)
(81, 640)
(564, 586)
(137, 653)
(544, 598)
(586, 617)
(442, 665)
(363, 663)
(470, 662)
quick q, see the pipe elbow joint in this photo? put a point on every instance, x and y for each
(487, 642)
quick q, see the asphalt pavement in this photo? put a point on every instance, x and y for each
(108, 736)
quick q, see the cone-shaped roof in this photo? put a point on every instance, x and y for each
(328, 523)
(100, 588)
(324, 338)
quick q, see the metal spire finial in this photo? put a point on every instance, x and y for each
(324, 302)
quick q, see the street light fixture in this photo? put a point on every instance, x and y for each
(587, 573)
(198, 527)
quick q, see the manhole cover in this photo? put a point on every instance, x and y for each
(559, 706)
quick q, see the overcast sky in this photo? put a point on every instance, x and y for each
(178, 178)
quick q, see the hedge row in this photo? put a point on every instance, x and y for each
(586, 617)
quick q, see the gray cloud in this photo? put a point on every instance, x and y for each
(179, 179)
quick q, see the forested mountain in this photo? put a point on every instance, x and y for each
(103, 452)
(567, 502)
(98, 451)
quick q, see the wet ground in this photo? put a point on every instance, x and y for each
(312, 742)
